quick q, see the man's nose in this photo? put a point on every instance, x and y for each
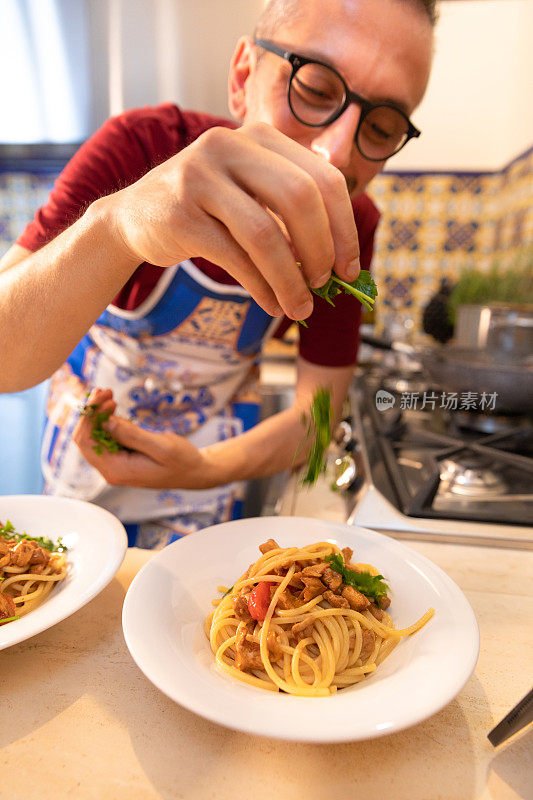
(336, 141)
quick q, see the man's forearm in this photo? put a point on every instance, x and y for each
(273, 446)
(50, 299)
(279, 442)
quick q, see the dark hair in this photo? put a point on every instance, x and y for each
(276, 12)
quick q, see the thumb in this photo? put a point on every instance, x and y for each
(131, 435)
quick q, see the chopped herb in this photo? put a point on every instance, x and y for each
(228, 591)
(9, 619)
(102, 438)
(372, 586)
(7, 531)
(363, 288)
(319, 427)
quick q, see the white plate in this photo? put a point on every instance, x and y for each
(167, 602)
(96, 543)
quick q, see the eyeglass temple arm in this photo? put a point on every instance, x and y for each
(266, 44)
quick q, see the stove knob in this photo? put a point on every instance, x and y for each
(343, 433)
(346, 473)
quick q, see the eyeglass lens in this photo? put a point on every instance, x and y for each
(317, 92)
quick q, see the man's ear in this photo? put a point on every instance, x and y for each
(241, 67)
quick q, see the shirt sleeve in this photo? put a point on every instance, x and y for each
(332, 336)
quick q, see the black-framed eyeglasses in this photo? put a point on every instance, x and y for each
(318, 95)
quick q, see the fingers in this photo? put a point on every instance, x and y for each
(333, 191)
(136, 438)
(100, 401)
(270, 263)
(223, 198)
(220, 247)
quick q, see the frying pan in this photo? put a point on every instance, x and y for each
(461, 369)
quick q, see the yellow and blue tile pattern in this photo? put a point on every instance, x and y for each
(434, 225)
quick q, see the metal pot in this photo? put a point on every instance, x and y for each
(500, 327)
(465, 370)
(456, 369)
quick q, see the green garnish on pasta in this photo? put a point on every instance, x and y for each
(7, 531)
(370, 585)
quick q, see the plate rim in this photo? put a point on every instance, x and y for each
(77, 602)
(469, 665)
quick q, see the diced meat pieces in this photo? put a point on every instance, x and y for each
(314, 570)
(248, 654)
(332, 579)
(296, 581)
(271, 544)
(286, 601)
(369, 640)
(376, 611)
(240, 607)
(356, 600)
(384, 602)
(336, 600)
(26, 553)
(347, 554)
(304, 629)
(274, 647)
(7, 606)
(313, 587)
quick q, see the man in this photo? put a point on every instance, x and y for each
(324, 91)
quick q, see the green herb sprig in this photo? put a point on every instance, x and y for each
(320, 429)
(7, 531)
(372, 586)
(102, 438)
(363, 288)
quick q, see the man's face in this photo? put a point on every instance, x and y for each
(382, 49)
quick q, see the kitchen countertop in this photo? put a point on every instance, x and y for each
(79, 719)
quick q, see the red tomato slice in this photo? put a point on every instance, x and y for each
(259, 601)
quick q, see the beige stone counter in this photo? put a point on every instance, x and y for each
(80, 720)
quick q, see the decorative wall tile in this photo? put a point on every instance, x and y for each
(460, 236)
(21, 194)
(434, 225)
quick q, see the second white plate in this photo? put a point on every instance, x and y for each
(96, 543)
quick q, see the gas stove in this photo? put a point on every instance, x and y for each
(430, 471)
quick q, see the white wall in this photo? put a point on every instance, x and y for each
(478, 109)
(477, 113)
(150, 51)
(44, 63)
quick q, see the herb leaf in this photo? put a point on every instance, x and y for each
(363, 288)
(320, 423)
(370, 585)
(102, 438)
(7, 531)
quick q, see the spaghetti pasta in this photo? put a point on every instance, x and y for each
(295, 621)
(29, 570)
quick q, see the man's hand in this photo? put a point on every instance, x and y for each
(223, 198)
(160, 460)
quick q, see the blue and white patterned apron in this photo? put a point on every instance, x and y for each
(184, 361)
